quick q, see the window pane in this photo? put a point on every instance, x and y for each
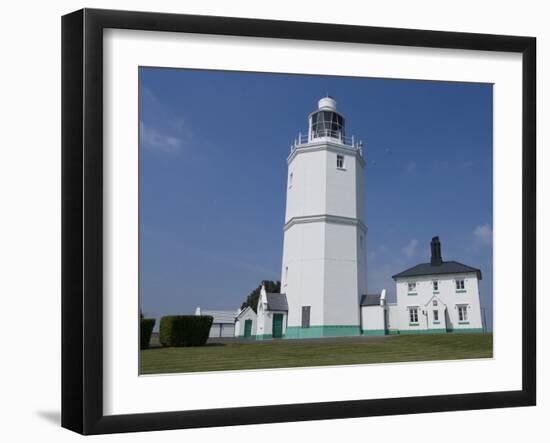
(320, 125)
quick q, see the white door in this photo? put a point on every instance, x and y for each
(228, 330)
(215, 330)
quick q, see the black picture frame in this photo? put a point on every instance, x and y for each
(82, 218)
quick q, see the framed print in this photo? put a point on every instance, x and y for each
(269, 221)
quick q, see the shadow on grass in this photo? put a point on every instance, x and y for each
(207, 345)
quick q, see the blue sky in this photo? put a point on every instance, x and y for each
(213, 149)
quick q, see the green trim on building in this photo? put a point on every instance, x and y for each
(263, 337)
(412, 293)
(374, 332)
(322, 331)
(460, 291)
(423, 331)
(463, 322)
(350, 331)
(437, 331)
(459, 330)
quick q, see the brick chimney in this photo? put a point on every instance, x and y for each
(436, 252)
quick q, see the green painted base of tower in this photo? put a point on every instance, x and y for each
(322, 331)
(374, 332)
(263, 337)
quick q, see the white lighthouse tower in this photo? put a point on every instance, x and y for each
(324, 252)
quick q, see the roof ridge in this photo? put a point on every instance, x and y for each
(446, 267)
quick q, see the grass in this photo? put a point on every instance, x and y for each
(287, 353)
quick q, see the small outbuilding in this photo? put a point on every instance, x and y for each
(272, 315)
(373, 314)
(223, 324)
(246, 323)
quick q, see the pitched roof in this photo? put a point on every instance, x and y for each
(220, 316)
(446, 267)
(244, 311)
(276, 302)
(370, 300)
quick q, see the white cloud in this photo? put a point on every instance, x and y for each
(148, 95)
(153, 140)
(410, 249)
(379, 277)
(483, 234)
(380, 251)
(410, 167)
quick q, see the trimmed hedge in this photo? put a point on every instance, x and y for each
(146, 326)
(185, 330)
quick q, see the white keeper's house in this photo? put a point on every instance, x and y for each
(324, 266)
(439, 296)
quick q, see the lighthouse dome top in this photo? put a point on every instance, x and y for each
(327, 104)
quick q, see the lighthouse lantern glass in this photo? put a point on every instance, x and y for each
(327, 124)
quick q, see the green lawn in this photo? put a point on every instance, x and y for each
(288, 353)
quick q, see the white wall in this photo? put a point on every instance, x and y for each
(393, 317)
(303, 253)
(265, 322)
(342, 192)
(372, 318)
(35, 49)
(326, 265)
(239, 324)
(307, 195)
(222, 330)
(448, 295)
(342, 275)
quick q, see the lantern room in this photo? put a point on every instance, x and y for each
(326, 122)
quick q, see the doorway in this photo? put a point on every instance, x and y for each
(277, 325)
(247, 328)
